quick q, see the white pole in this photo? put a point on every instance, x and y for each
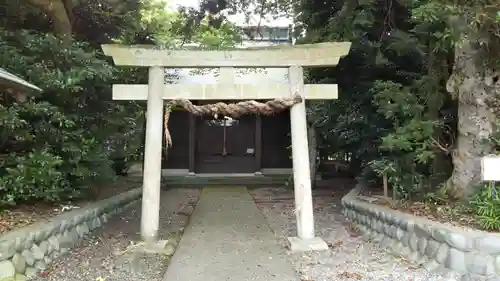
(300, 156)
(152, 156)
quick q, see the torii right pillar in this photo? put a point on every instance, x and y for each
(306, 239)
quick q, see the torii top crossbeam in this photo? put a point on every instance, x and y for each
(320, 54)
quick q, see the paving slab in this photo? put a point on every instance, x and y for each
(227, 238)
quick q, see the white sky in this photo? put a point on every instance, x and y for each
(237, 19)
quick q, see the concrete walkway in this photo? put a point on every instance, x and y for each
(228, 238)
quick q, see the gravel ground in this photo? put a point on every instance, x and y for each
(103, 256)
(350, 257)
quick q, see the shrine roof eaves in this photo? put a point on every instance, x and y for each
(16, 83)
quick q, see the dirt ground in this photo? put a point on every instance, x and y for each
(452, 213)
(108, 253)
(103, 256)
(349, 257)
(26, 214)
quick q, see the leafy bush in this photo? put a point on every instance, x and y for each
(44, 155)
(486, 205)
(56, 144)
(34, 176)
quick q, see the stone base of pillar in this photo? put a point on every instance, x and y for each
(158, 247)
(304, 245)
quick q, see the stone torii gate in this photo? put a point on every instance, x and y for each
(291, 57)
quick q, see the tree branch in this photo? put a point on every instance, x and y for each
(439, 146)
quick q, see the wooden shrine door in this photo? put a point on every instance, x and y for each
(225, 145)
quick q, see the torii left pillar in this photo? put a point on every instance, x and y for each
(150, 219)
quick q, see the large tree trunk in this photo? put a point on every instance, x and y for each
(60, 15)
(472, 84)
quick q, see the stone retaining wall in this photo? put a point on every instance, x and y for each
(437, 246)
(27, 251)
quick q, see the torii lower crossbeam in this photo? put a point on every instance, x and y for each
(225, 92)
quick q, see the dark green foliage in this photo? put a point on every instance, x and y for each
(486, 205)
(384, 117)
(55, 145)
(394, 115)
(73, 135)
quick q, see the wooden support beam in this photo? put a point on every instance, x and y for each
(227, 75)
(322, 54)
(258, 144)
(192, 143)
(225, 91)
